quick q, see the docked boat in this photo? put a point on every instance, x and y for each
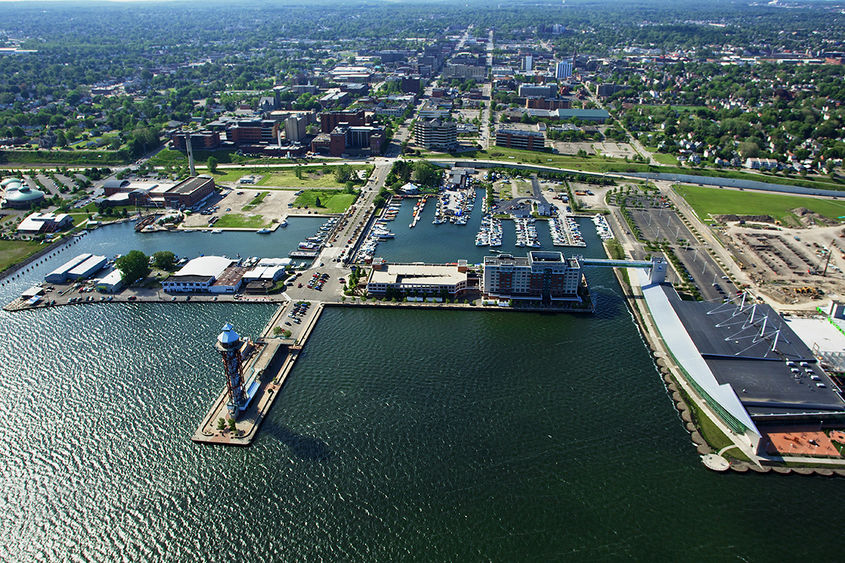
(264, 231)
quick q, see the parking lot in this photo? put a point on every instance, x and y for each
(274, 205)
(662, 224)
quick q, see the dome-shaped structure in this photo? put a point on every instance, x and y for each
(20, 196)
(228, 336)
(13, 183)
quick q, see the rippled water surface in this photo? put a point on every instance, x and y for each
(399, 435)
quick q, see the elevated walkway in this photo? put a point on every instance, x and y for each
(609, 263)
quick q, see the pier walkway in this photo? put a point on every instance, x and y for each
(271, 366)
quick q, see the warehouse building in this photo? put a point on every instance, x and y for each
(45, 223)
(80, 267)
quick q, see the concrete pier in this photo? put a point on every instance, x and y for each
(272, 365)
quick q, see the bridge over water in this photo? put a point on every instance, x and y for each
(656, 266)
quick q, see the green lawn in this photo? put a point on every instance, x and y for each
(607, 164)
(312, 176)
(664, 158)
(84, 142)
(241, 221)
(13, 251)
(523, 188)
(168, 156)
(56, 157)
(587, 164)
(723, 201)
(331, 201)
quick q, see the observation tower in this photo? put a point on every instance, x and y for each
(229, 346)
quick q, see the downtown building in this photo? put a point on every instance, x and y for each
(525, 139)
(547, 278)
(563, 70)
(436, 134)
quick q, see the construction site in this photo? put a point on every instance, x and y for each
(791, 266)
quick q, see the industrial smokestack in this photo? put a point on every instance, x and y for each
(190, 153)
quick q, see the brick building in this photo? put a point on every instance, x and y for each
(331, 119)
(200, 140)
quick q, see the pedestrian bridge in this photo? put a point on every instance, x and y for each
(608, 263)
(656, 266)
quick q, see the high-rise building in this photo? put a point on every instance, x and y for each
(435, 133)
(563, 70)
(528, 63)
(295, 128)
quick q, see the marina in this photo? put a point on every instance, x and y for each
(490, 232)
(602, 228)
(454, 206)
(526, 233)
(311, 246)
(439, 241)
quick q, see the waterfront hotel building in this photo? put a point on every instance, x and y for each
(546, 277)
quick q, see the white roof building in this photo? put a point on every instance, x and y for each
(211, 266)
(418, 278)
(45, 222)
(199, 274)
(111, 282)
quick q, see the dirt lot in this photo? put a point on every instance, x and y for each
(596, 200)
(616, 150)
(783, 260)
(563, 147)
(273, 206)
(468, 113)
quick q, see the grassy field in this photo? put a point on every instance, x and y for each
(594, 163)
(241, 221)
(331, 201)
(168, 156)
(13, 251)
(312, 176)
(107, 137)
(664, 158)
(68, 157)
(720, 201)
(174, 157)
(523, 188)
